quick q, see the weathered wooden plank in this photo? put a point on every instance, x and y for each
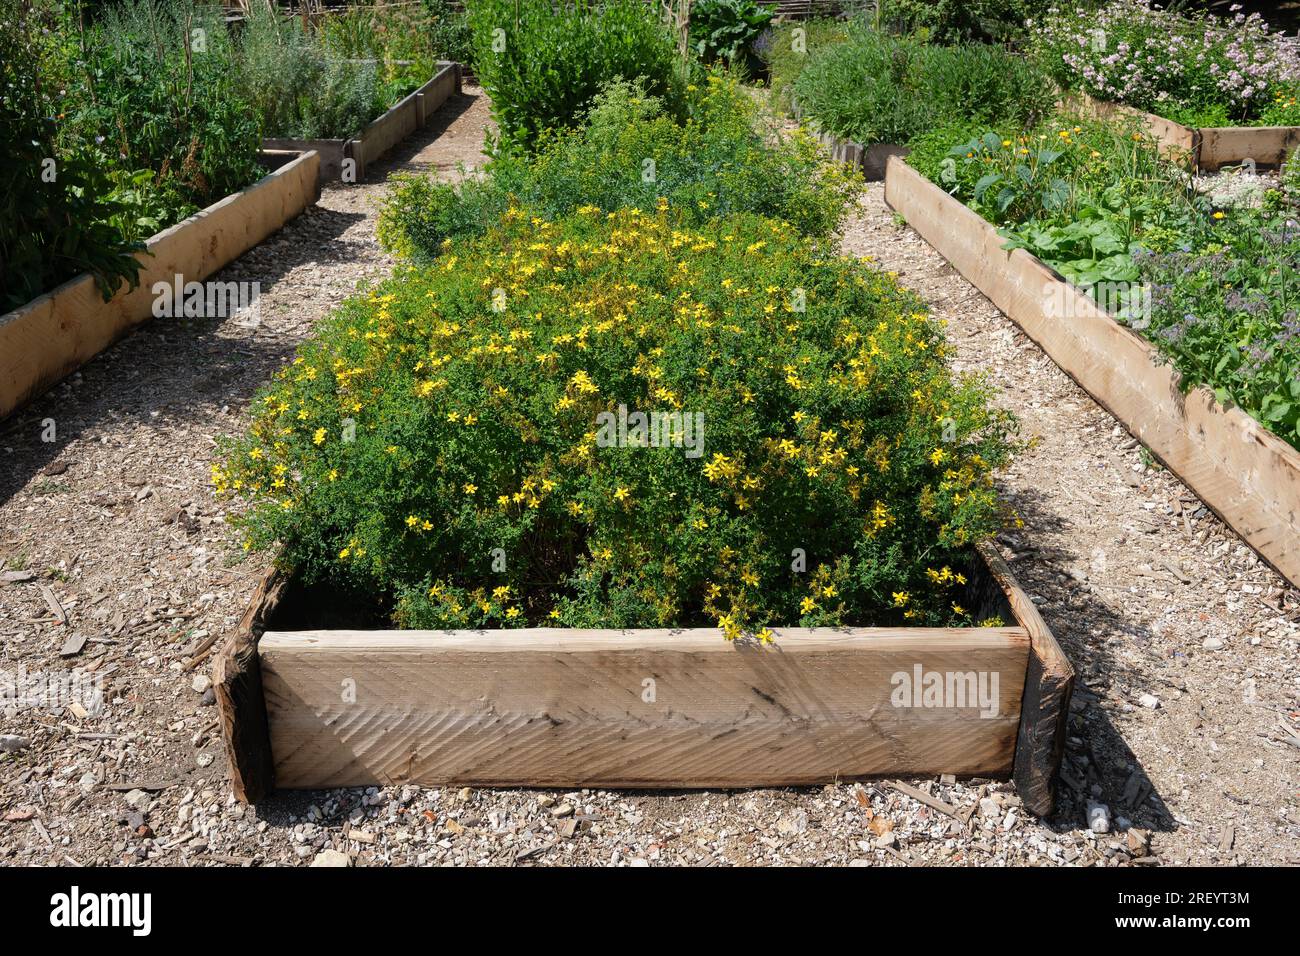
(58, 332)
(241, 706)
(639, 708)
(383, 133)
(1045, 704)
(1232, 146)
(1247, 475)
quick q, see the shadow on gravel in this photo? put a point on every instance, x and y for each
(404, 157)
(171, 370)
(1098, 764)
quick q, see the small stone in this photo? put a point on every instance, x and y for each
(138, 800)
(1098, 817)
(1139, 842)
(638, 861)
(1149, 701)
(465, 794)
(454, 827)
(947, 779)
(563, 810)
(792, 823)
(886, 840)
(87, 782)
(1010, 821)
(989, 807)
(545, 801)
(859, 861)
(567, 828)
(362, 836)
(1212, 644)
(331, 858)
(12, 743)
(201, 683)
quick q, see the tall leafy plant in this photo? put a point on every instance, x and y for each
(542, 62)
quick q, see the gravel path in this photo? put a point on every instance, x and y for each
(113, 527)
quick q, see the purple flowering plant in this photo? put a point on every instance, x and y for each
(1194, 68)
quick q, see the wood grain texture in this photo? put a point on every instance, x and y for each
(241, 706)
(1045, 704)
(58, 332)
(567, 708)
(1210, 147)
(1247, 475)
(1231, 146)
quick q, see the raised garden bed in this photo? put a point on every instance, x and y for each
(303, 707)
(404, 118)
(1211, 147)
(1245, 474)
(57, 332)
(872, 159)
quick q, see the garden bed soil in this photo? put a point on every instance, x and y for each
(410, 113)
(1247, 475)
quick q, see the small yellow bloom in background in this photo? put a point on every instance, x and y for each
(502, 592)
(621, 494)
(1218, 215)
(901, 598)
(470, 488)
(412, 521)
(765, 636)
(334, 474)
(319, 436)
(1006, 142)
(807, 605)
(958, 609)
(829, 591)
(937, 456)
(555, 614)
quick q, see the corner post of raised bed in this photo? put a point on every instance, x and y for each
(237, 682)
(1045, 705)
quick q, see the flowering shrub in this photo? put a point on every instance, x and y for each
(443, 441)
(875, 88)
(629, 152)
(1224, 311)
(1193, 68)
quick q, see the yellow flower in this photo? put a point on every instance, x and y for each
(621, 494)
(470, 488)
(806, 605)
(1219, 215)
(319, 436)
(901, 598)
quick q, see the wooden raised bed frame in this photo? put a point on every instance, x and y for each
(569, 708)
(1248, 476)
(871, 160)
(1210, 147)
(58, 332)
(404, 118)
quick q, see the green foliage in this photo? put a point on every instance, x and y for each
(876, 88)
(1214, 290)
(961, 21)
(454, 410)
(791, 45)
(725, 30)
(1224, 309)
(631, 153)
(298, 87)
(158, 94)
(50, 231)
(541, 62)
